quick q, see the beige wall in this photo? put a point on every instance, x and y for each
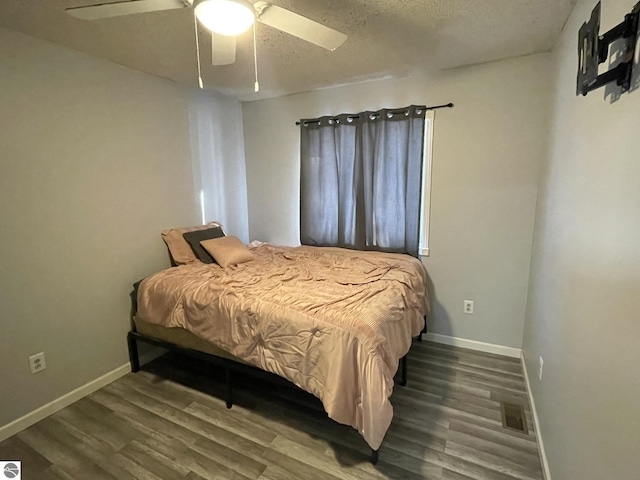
(582, 314)
(95, 160)
(486, 156)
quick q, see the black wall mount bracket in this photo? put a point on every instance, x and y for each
(593, 49)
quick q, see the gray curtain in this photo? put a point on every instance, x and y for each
(361, 179)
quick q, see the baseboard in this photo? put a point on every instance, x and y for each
(541, 451)
(474, 345)
(58, 404)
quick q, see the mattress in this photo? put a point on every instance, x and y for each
(180, 337)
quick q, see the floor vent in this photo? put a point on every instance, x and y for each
(513, 417)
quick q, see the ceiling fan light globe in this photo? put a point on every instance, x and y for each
(225, 17)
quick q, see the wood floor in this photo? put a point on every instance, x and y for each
(169, 421)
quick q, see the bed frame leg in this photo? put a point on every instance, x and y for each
(374, 456)
(227, 371)
(424, 330)
(403, 375)
(133, 353)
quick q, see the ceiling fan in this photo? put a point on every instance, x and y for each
(225, 19)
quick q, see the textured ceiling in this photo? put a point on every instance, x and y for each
(386, 38)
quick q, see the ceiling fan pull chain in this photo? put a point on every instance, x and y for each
(195, 30)
(255, 59)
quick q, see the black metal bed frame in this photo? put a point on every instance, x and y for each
(133, 337)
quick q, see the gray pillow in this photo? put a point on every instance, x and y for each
(194, 239)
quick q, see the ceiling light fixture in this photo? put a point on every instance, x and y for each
(225, 17)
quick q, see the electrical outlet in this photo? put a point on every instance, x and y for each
(37, 363)
(540, 365)
(468, 307)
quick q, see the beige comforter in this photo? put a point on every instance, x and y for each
(335, 322)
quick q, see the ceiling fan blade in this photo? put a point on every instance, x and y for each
(107, 10)
(299, 26)
(223, 49)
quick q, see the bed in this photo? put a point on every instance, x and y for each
(334, 322)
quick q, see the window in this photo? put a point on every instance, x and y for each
(425, 209)
(361, 180)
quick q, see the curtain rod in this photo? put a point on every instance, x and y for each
(435, 107)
